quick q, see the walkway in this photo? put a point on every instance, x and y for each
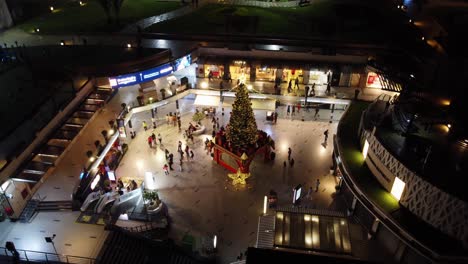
(201, 199)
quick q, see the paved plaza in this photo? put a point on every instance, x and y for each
(201, 198)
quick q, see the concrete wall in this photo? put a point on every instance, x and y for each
(450, 216)
(5, 16)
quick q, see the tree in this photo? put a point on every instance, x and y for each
(117, 7)
(198, 117)
(107, 6)
(242, 128)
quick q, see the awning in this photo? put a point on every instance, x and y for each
(207, 100)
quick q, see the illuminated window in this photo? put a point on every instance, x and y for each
(397, 188)
(365, 149)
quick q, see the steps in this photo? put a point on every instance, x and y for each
(122, 247)
(28, 211)
(54, 206)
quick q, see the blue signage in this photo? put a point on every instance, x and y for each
(151, 74)
(143, 76)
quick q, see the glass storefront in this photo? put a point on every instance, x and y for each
(318, 77)
(239, 71)
(265, 74)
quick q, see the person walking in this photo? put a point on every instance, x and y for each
(293, 110)
(276, 117)
(298, 107)
(289, 153)
(145, 126)
(309, 193)
(180, 165)
(289, 86)
(179, 147)
(166, 169)
(171, 161)
(317, 185)
(191, 155)
(166, 152)
(150, 141)
(284, 164)
(159, 138)
(316, 112)
(326, 135)
(288, 110)
(296, 83)
(187, 152)
(313, 89)
(153, 137)
(291, 162)
(328, 89)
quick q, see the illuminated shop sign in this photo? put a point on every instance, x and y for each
(155, 73)
(182, 63)
(151, 74)
(143, 76)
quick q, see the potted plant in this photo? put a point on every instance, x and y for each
(198, 117)
(151, 199)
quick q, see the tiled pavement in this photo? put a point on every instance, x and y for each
(201, 199)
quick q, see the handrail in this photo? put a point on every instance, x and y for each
(47, 257)
(374, 209)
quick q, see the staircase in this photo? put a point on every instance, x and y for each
(54, 206)
(29, 211)
(122, 247)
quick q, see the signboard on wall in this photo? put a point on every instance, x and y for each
(151, 74)
(182, 63)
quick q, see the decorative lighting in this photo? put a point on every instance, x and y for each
(204, 85)
(51, 8)
(81, 3)
(397, 188)
(249, 87)
(411, 21)
(111, 132)
(92, 159)
(151, 100)
(36, 30)
(422, 38)
(215, 240)
(398, 7)
(449, 125)
(365, 149)
(412, 75)
(149, 181)
(265, 201)
(62, 43)
(239, 177)
(129, 45)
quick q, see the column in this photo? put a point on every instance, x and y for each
(374, 228)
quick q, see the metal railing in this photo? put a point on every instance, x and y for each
(44, 257)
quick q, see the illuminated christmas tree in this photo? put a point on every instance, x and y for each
(242, 130)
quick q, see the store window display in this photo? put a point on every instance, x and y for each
(265, 74)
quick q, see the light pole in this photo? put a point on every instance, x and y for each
(51, 240)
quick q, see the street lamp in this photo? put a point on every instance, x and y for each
(51, 240)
